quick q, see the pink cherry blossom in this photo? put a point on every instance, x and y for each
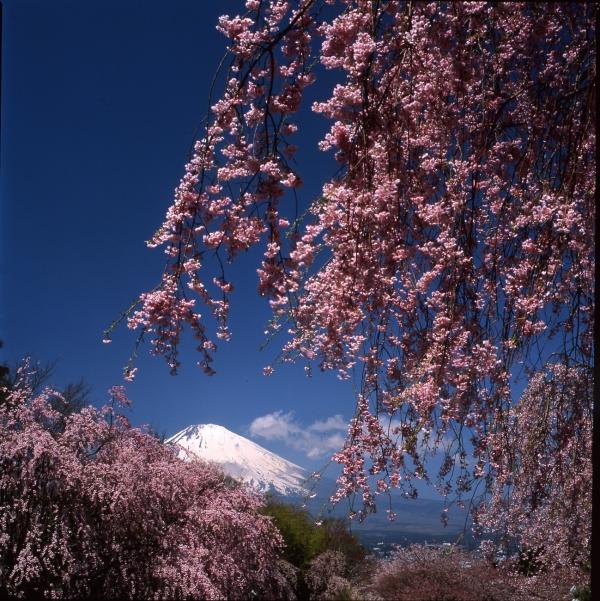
(456, 238)
(90, 506)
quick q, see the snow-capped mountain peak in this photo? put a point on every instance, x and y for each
(240, 458)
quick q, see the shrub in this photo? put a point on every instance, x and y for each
(326, 555)
(328, 577)
(420, 573)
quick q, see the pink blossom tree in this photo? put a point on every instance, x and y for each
(420, 573)
(542, 495)
(96, 508)
(455, 241)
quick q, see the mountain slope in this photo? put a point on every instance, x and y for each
(240, 458)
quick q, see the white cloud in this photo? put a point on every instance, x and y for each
(316, 447)
(336, 422)
(318, 439)
(273, 426)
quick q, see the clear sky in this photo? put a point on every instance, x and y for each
(100, 102)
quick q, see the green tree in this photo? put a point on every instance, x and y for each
(305, 539)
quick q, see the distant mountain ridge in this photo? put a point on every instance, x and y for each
(240, 458)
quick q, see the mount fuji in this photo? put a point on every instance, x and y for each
(240, 458)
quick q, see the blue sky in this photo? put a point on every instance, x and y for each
(100, 102)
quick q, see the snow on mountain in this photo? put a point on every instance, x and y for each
(240, 458)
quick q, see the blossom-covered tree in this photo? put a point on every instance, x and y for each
(542, 494)
(421, 573)
(447, 263)
(96, 508)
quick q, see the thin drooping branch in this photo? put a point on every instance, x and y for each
(457, 236)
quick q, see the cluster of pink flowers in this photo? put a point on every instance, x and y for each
(421, 573)
(327, 577)
(458, 234)
(246, 148)
(91, 507)
(542, 463)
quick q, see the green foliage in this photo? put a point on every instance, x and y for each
(305, 540)
(339, 538)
